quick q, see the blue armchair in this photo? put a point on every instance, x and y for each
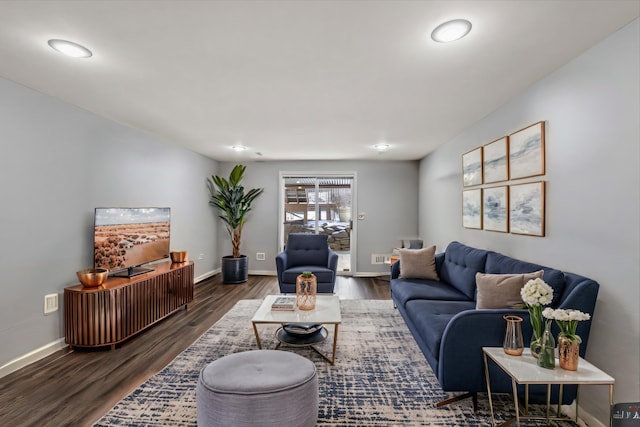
(307, 252)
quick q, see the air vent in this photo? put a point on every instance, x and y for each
(380, 258)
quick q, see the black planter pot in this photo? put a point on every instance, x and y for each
(235, 270)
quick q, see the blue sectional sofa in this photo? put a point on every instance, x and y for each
(451, 332)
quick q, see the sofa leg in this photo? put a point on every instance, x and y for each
(472, 394)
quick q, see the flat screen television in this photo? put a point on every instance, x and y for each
(124, 239)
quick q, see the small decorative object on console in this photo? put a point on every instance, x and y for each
(513, 342)
(179, 256)
(306, 287)
(284, 304)
(92, 277)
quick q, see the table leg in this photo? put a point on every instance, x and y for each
(255, 331)
(578, 401)
(558, 410)
(486, 375)
(548, 402)
(610, 395)
(335, 342)
(514, 386)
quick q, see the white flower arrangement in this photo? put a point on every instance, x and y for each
(536, 292)
(567, 320)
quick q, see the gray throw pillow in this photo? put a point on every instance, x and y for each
(418, 263)
(502, 290)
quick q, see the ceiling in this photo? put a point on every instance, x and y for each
(295, 80)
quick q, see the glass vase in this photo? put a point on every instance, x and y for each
(568, 352)
(513, 343)
(547, 357)
(534, 346)
(535, 316)
(306, 288)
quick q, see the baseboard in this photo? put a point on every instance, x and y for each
(585, 420)
(206, 275)
(31, 357)
(262, 273)
(211, 273)
(371, 274)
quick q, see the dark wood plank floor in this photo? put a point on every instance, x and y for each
(75, 388)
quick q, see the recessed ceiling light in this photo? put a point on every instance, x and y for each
(451, 31)
(383, 146)
(68, 48)
(239, 148)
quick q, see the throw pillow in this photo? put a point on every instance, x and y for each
(418, 263)
(501, 290)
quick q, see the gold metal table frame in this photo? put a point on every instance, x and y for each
(525, 370)
(327, 312)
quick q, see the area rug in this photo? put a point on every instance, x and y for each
(380, 377)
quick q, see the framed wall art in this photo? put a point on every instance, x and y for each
(472, 208)
(526, 208)
(472, 167)
(495, 205)
(526, 152)
(495, 167)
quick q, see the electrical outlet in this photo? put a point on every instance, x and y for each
(50, 303)
(201, 256)
(260, 256)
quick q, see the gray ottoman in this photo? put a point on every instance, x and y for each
(258, 388)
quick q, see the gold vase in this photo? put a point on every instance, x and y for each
(568, 353)
(306, 288)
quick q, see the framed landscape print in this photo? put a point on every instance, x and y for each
(526, 152)
(495, 166)
(495, 207)
(472, 208)
(526, 208)
(472, 167)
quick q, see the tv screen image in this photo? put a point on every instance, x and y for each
(128, 237)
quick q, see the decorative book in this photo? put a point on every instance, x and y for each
(284, 304)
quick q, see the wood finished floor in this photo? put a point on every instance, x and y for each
(75, 388)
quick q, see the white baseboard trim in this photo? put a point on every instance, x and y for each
(206, 275)
(33, 356)
(218, 270)
(262, 273)
(370, 274)
(586, 419)
(273, 273)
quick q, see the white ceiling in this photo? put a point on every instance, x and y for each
(297, 79)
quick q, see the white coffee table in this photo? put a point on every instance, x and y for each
(327, 312)
(524, 369)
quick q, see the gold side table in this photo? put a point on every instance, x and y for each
(525, 370)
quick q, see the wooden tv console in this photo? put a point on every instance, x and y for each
(122, 307)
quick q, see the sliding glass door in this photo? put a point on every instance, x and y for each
(320, 204)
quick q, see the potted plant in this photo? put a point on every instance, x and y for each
(234, 204)
(306, 288)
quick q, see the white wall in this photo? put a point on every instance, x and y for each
(386, 192)
(592, 111)
(57, 164)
